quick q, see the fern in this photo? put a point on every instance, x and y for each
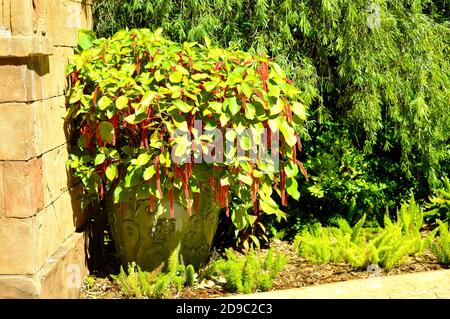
(359, 246)
(441, 245)
(249, 273)
(135, 283)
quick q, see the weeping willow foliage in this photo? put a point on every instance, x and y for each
(384, 64)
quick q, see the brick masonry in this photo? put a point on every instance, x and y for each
(40, 250)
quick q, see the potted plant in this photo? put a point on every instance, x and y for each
(169, 134)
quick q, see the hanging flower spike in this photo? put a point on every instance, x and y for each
(186, 189)
(152, 203)
(299, 143)
(227, 212)
(172, 211)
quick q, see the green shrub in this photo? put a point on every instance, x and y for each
(387, 246)
(248, 273)
(439, 205)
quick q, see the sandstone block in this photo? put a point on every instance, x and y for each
(16, 131)
(19, 287)
(23, 190)
(76, 15)
(2, 193)
(55, 174)
(14, 75)
(49, 127)
(18, 246)
(62, 276)
(24, 78)
(48, 234)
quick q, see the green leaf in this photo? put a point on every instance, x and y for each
(159, 76)
(77, 96)
(133, 177)
(180, 122)
(255, 240)
(149, 172)
(148, 98)
(106, 131)
(288, 132)
(118, 191)
(232, 105)
(176, 77)
(85, 39)
(299, 109)
(104, 102)
(223, 119)
(224, 181)
(121, 102)
(199, 76)
(211, 85)
(142, 159)
(292, 188)
(99, 159)
(249, 111)
(245, 179)
(246, 89)
(182, 106)
(112, 172)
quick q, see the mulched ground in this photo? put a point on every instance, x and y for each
(298, 273)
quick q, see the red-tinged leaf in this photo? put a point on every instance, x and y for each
(172, 211)
(218, 65)
(288, 81)
(259, 94)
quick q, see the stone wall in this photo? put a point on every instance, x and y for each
(41, 252)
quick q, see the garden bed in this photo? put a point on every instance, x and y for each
(298, 273)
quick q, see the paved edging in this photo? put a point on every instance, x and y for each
(421, 285)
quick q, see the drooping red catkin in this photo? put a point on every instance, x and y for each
(282, 186)
(299, 143)
(263, 71)
(138, 63)
(94, 97)
(152, 203)
(227, 212)
(172, 211)
(102, 191)
(303, 169)
(186, 190)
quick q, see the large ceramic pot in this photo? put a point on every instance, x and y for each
(149, 238)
